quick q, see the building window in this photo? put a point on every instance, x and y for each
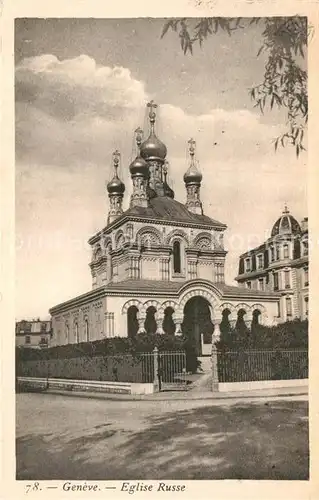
(248, 284)
(306, 306)
(260, 261)
(288, 307)
(261, 284)
(276, 281)
(248, 265)
(86, 330)
(27, 339)
(67, 337)
(272, 254)
(287, 278)
(277, 253)
(76, 328)
(304, 248)
(286, 251)
(306, 277)
(177, 257)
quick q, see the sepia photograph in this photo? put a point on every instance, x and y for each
(162, 269)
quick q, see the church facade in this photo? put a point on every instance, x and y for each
(159, 265)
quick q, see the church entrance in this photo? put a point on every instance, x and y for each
(197, 321)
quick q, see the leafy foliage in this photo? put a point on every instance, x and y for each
(289, 335)
(285, 81)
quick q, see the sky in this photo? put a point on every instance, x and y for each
(81, 89)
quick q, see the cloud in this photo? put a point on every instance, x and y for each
(73, 111)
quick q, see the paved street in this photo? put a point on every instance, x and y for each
(67, 437)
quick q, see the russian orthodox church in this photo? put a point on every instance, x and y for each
(281, 264)
(158, 266)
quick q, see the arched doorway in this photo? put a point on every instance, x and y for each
(197, 321)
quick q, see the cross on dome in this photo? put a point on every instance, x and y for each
(286, 211)
(152, 115)
(192, 147)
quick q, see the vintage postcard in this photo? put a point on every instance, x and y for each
(160, 249)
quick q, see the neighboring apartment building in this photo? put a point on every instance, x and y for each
(281, 265)
(35, 333)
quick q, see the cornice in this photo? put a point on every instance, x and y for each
(80, 300)
(149, 220)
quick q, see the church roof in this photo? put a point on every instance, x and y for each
(163, 208)
(158, 286)
(166, 208)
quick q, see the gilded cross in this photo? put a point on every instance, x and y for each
(192, 145)
(152, 105)
(139, 136)
(152, 115)
(116, 160)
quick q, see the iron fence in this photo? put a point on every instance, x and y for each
(171, 370)
(164, 368)
(256, 365)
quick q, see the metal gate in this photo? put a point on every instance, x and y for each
(172, 371)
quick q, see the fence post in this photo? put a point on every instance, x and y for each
(155, 374)
(214, 360)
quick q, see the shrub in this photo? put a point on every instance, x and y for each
(292, 334)
(113, 347)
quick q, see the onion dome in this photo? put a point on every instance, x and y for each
(116, 186)
(192, 175)
(152, 148)
(139, 167)
(286, 224)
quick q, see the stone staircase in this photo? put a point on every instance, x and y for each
(203, 381)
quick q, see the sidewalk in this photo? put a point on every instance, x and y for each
(189, 395)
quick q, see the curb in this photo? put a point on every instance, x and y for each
(212, 397)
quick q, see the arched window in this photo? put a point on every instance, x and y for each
(286, 251)
(177, 265)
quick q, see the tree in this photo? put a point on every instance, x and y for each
(284, 84)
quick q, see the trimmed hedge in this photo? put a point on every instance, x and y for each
(289, 335)
(115, 346)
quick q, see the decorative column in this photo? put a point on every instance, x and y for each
(214, 360)
(233, 319)
(159, 318)
(141, 321)
(248, 319)
(178, 320)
